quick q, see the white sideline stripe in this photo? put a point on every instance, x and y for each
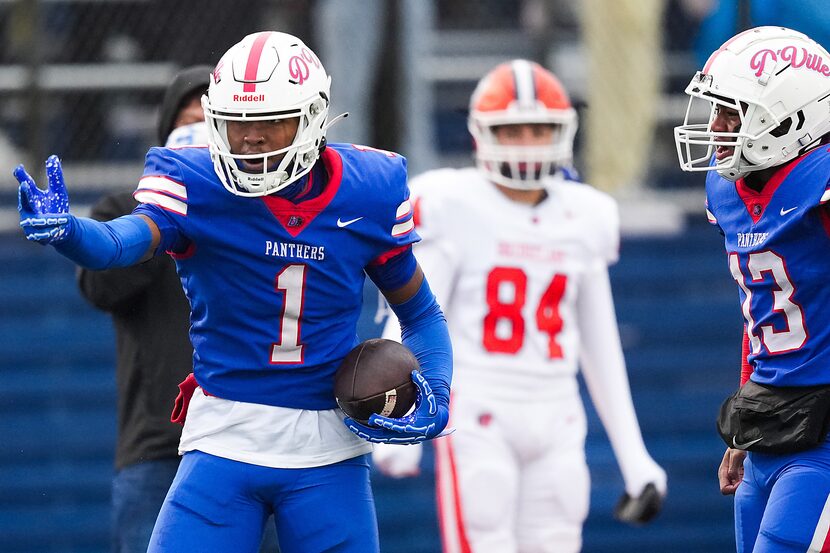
(403, 209)
(161, 200)
(824, 197)
(163, 184)
(823, 527)
(447, 498)
(403, 228)
(711, 217)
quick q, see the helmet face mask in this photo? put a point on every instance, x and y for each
(698, 141)
(266, 77)
(778, 81)
(518, 93)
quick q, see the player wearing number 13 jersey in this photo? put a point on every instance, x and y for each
(273, 232)
(765, 146)
(770, 236)
(518, 256)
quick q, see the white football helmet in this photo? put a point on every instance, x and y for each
(517, 92)
(778, 80)
(264, 77)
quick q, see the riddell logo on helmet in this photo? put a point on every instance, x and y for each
(249, 97)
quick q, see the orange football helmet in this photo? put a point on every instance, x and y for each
(513, 93)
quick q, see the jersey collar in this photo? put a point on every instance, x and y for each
(756, 202)
(296, 217)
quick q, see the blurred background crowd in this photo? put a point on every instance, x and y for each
(84, 79)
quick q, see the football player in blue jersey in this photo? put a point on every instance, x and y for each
(763, 138)
(273, 231)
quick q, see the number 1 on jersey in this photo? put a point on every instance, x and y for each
(291, 282)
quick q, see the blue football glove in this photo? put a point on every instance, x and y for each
(426, 421)
(44, 215)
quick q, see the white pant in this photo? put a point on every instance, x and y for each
(513, 477)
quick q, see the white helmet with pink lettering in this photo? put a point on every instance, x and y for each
(778, 81)
(264, 77)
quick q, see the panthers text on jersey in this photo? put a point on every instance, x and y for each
(776, 242)
(511, 274)
(275, 287)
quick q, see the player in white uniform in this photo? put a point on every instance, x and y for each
(518, 257)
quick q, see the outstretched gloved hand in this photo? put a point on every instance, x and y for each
(44, 215)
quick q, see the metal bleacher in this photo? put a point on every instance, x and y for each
(680, 325)
(57, 407)
(681, 328)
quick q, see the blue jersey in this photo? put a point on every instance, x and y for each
(778, 244)
(275, 288)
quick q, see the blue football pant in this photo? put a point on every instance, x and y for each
(783, 503)
(138, 492)
(220, 505)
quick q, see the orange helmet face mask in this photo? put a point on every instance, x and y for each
(516, 93)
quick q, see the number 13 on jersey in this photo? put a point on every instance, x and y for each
(508, 312)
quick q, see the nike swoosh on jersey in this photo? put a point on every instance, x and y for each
(747, 444)
(785, 211)
(342, 224)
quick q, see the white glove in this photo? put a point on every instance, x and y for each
(645, 490)
(640, 472)
(398, 461)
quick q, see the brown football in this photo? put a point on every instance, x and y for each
(375, 377)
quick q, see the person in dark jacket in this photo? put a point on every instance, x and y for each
(152, 318)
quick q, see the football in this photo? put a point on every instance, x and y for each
(375, 377)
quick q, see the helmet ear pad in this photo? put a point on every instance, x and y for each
(307, 155)
(787, 138)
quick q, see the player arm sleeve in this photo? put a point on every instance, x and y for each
(603, 368)
(148, 231)
(423, 326)
(394, 460)
(438, 264)
(113, 288)
(424, 331)
(99, 245)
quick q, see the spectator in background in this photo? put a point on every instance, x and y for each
(519, 256)
(152, 319)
